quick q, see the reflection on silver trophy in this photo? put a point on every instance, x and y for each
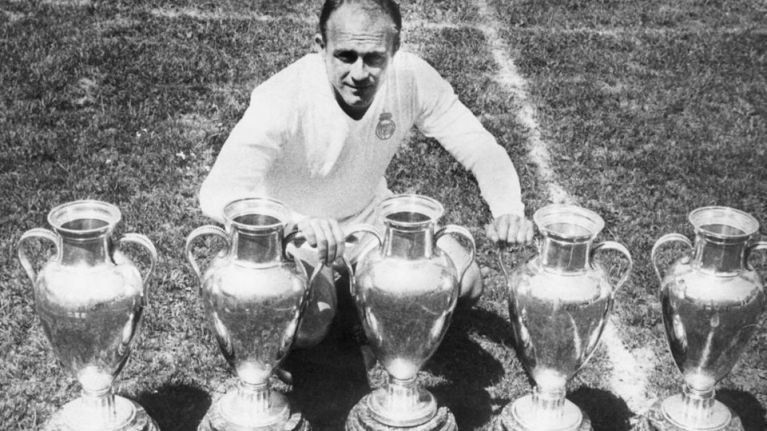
(559, 302)
(406, 290)
(90, 298)
(253, 296)
(711, 301)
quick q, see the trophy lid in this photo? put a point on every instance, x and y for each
(84, 218)
(723, 223)
(256, 214)
(411, 210)
(568, 222)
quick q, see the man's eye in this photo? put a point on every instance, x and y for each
(347, 57)
(375, 60)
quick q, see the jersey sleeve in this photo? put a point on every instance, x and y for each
(442, 116)
(248, 153)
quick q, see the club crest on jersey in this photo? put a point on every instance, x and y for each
(386, 127)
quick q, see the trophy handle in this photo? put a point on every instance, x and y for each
(671, 237)
(297, 239)
(202, 231)
(366, 228)
(461, 231)
(500, 252)
(36, 233)
(352, 279)
(358, 228)
(143, 241)
(759, 245)
(612, 245)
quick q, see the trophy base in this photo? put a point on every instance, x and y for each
(135, 418)
(361, 419)
(513, 418)
(420, 408)
(723, 418)
(279, 418)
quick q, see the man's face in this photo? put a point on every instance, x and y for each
(358, 49)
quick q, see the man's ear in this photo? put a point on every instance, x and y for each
(319, 42)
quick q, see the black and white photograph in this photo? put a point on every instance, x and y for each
(383, 215)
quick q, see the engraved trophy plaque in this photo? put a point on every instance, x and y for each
(406, 290)
(559, 302)
(711, 301)
(90, 298)
(253, 296)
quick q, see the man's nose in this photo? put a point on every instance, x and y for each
(359, 71)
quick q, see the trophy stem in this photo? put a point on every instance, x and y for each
(254, 398)
(549, 403)
(544, 410)
(401, 394)
(401, 403)
(101, 403)
(98, 410)
(250, 406)
(697, 405)
(693, 409)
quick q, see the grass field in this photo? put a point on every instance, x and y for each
(647, 110)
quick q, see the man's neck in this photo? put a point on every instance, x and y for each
(354, 113)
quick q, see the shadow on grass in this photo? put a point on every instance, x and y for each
(330, 378)
(607, 411)
(176, 407)
(746, 406)
(468, 368)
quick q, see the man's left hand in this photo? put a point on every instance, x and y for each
(510, 229)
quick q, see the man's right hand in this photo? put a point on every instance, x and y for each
(510, 229)
(324, 234)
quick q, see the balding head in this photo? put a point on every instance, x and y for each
(388, 8)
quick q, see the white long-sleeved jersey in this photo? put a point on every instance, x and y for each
(295, 144)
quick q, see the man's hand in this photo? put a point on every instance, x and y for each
(325, 234)
(510, 229)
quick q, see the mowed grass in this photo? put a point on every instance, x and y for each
(651, 111)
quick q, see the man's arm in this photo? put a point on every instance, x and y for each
(244, 159)
(444, 117)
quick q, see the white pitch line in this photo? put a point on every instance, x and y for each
(194, 13)
(629, 377)
(189, 12)
(511, 79)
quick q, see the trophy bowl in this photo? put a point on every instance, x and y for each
(90, 298)
(253, 295)
(559, 302)
(711, 301)
(406, 290)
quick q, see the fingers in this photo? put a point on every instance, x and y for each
(325, 235)
(511, 229)
(306, 229)
(339, 239)
(525, 232)
(504, 225)
(492, 234)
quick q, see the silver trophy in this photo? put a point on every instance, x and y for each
(711, 301)
(405, 291)
(90, 297)
(559, 302)
(253, 295)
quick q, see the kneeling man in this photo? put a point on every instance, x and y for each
(320, 134)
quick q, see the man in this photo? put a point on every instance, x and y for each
(319, 135)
